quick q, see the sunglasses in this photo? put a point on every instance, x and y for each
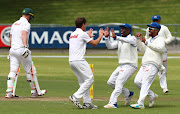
(152, 28)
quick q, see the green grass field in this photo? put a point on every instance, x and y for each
(96, 11)
(55, 75)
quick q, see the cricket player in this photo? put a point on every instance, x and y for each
(128, 58)
(19, 53)
(151, 63)
(77, 49)
(166, 34)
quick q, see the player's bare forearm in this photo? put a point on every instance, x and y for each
(24, 38)
(96, 42)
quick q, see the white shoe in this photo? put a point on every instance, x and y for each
(128, 99)
(89, 106)
(9, 95)
(137, 106)
(43, 92)
(151, 103)
(111, 106)
(35, 94)
(75, 101)
(165, 91)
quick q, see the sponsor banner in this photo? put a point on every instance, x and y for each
(58, 37)
(51, 37)
(5, 36)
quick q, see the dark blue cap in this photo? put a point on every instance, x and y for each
(126, 26)
(156, 17)
(155, 25)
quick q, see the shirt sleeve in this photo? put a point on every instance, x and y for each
(141, 46)
(129, 39)
(86, 37)
(157, 45)
(11, 30)
(26, 27)
(168, 35)
(111, 45)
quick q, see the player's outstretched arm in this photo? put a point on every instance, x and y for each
(110, 45)
(96, 42)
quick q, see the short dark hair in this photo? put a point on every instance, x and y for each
(80, 21)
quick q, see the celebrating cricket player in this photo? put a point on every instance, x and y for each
(128, 58)
(151, 63)
(166, 34)
(19, 53)
(77, 48)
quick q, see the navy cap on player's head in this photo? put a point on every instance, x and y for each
(126, 26)
(155, 25)
(157, 17)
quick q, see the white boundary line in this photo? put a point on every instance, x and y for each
(42, 56)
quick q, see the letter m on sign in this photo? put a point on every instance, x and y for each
(44, 36)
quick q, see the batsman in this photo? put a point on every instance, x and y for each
(19, 53)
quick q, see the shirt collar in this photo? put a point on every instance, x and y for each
(22, 18)
(79, 29)
(155, 37)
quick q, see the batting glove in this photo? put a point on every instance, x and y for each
(26, 52)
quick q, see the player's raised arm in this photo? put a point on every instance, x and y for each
(96, 42)
(110, 45)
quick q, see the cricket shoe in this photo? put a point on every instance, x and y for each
(42, 92)
(165, 91)
(89, 106)
(151, 103)
(137, 106)
(75, 101)
(128, 99)
(10, 95)
(111, 105)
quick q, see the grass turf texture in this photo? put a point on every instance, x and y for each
(96, 11)
(55, 75)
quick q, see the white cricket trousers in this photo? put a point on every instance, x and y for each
(15, 59)
(163, 75)
(85, 78)
(118, 79)
(143, 81)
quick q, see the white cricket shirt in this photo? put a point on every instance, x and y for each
(153, 51)
(77, 44)
(164, 32)
(16, 32)
(127, 49)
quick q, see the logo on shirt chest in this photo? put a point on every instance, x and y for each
(74, 36)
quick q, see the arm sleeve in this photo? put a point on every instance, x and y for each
(141, 46)
(158, 45)
(26, 27)
(132, 40)
(169, 37)
(111, 45)
(86, 37)
(11, 30)
(147, 34)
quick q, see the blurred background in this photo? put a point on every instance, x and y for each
(54, 20)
